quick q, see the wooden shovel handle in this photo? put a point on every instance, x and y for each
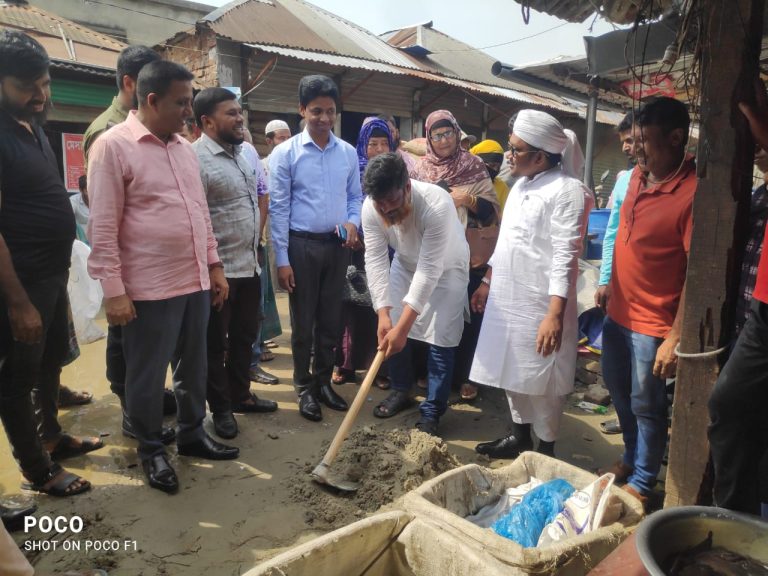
(353, 411)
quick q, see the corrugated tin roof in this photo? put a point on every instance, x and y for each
(543, 100)
(90, 47)
(301, 25)
(618, 11)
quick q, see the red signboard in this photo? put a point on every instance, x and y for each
(651, 85)
(74, 160)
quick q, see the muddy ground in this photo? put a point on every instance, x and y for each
(228, 516)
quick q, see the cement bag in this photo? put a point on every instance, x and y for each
(85, 296)
(585, 510)
(586, 286)
(386, 544)
(364, 547)
(449, 498)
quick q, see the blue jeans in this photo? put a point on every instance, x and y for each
(640, 399)
(440, 362)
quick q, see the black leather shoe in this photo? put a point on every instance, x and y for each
(13, 518)
(209, 449)
(169, 403)
(507, 447)
(255, 405)
(262, 377)
(167, 434)
(331, 399)
(160, 474)
(225, 425)
(309, 407)
(546, 448)
(427, 425)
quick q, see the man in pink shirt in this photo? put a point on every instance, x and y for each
(154, 252)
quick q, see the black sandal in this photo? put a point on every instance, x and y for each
(60, 488)
(396, 402)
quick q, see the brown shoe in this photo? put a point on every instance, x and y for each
(629, 489)
(618, 469)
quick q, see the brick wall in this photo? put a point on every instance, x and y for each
(198, 53)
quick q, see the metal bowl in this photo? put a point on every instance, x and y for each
(675, 530)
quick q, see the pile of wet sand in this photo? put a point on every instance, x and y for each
(387, 464)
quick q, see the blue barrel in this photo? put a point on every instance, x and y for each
(598, 222)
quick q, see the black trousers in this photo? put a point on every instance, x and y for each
(29, 376)
(231, 334)
(465, 353)
(166, 331)
(319, 270)
(116, 361)
(738, 409)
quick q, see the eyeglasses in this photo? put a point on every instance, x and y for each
(517, 151)
(440, 136)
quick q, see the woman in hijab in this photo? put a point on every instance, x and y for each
(357, 345)
(467, 180)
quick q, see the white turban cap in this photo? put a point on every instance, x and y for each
(544, 131)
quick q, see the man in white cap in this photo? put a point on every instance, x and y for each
(275, 132)
(528, 339)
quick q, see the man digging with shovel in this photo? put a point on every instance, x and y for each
(422, 296)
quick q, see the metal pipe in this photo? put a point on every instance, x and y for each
(589, 152)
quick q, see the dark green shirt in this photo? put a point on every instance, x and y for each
(115, 114)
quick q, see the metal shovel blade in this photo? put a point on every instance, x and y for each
(322, 475)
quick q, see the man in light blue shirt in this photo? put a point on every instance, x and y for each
(315, 203)
(624, 130)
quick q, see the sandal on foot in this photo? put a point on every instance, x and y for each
(610, 427)
(60, 488)
(468, 391)
(269, 344)
(341, 376)
(393, 404)
(267, 356)
(382, 383)
(70, 447)
(69, 397)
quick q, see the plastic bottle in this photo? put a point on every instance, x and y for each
(591, 407)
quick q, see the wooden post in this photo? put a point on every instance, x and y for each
(731, 46)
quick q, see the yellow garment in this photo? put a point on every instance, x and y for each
(487, 147)
(502, 191)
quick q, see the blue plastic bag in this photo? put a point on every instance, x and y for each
(525, 522)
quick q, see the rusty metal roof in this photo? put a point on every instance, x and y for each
(300, 25)
(89, 48)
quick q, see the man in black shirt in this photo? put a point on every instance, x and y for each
(37, 228)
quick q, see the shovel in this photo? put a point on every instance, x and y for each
(321, 473)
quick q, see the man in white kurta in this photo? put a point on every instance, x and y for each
(528, 340)
(422, 295)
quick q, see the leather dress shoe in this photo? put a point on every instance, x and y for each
(161, 474)
(169, 403)
(331, 399)
(224, 424)
(255, 405)
(262, 376)
(13, 518)
(309, 407)
(167, 433)
(546, 448)
(507, 447)
(208, 449)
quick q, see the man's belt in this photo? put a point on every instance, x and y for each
(318, 236)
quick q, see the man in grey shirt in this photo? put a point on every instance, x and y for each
(231, 188)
